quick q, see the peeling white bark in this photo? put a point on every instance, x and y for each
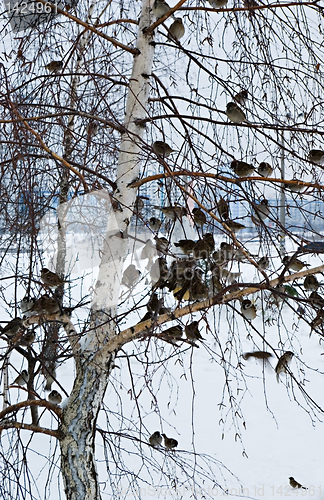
(80, 415)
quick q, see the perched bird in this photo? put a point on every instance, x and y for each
(293, 483)
(219, 257)
(234, 113)
(13, 328)
(173, 333)
(311, 283)
(198, 290)
(262, 210)
(54, 397)
(159, 272)
(156, 439)
(231, 252)
(25, 306)
(22, 379)
(28, 337)
(248, 309)
(130, 276)
(283, 362)
(257, 354)
(160, 7)
(46, 305)
(92, 129)
(221, 273)
(186, 246)
(192, 331)
(138, 205)
(234, 226)
(204, 247)
(173, 212)
(313, 246)
(294, 188)
(155, 224)
(156, 305)
(295, 264)
(54, 66)
(265, 169)
(223, 208)
(170, 442)
(318, 320)
(241, 97)
(51, 279)
(162, 244)
(264, 262)
(316, 299)
(162, 148)
(199, 216)
(242, 169)
(216, 4)
(177, 29)
(316, 156)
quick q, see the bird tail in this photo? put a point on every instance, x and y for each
(278, 378)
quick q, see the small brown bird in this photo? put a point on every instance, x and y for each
(295, 264)
(241, 168)
(29, 337)
(204, 247)
(156, 439)
(46, 305)
(172, 334)
(283, 362)
(241, 97)
(22, 379)
(186, 246)
(170, 442)
(264, 262)
(161, 148)
(138, 205)
(316, 300)
(248, 309)
(316, 156)
(199, 216)
(173, 212)
(294, 188)
(54, 66)
(51, 279)
(311, 283)
(293, 483)
(234, 113)
(216, 4)
(130, 276)
(54, 397)
(318, 320)
(162, 244)
(155, 224)
(177, 29)
(192, 331)
(25, 306)
(234, 226)
(198, 290)
(160, 7)
(265, 169)
(258, 355)
(223, 208)
(13, 328)
(262, 210)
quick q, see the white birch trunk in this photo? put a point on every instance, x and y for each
(92, 369)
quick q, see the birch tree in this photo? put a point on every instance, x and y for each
(127, 124)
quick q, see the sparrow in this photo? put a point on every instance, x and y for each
(180, 272)
(162, 148)
(318, 320)
(233, 253)
(248, 309)
(223, 208)
(242, 169)
(234, 226)
(54, 397)
(262, 210)
(46, 305)
(283, 362)
(241, 97)
(156, 439)
(228, 276)
(186, 246)
(316, 156)
(204, 247)
(51, 279)
(173, 212)
(170, 442)
(293, 483)
(216, 4)
(219, 257)
(177, 29)
(162, 244)
(316, 299)
(160, 7)
(156, 305)
(155, 224)
(173, 333)
(130, 276)
(199, 217)
(265, 169)
(295, 264)
(198, 290)
(13, 328)
(22, 379)
(192, 331)
(311, 283)
(264, 262)
(138, 205)
(294, 188)
(257, 354)
(26, 305)
(29, 337)
(54, 66)
(234, 113)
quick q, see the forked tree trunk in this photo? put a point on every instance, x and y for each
(78, 465)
